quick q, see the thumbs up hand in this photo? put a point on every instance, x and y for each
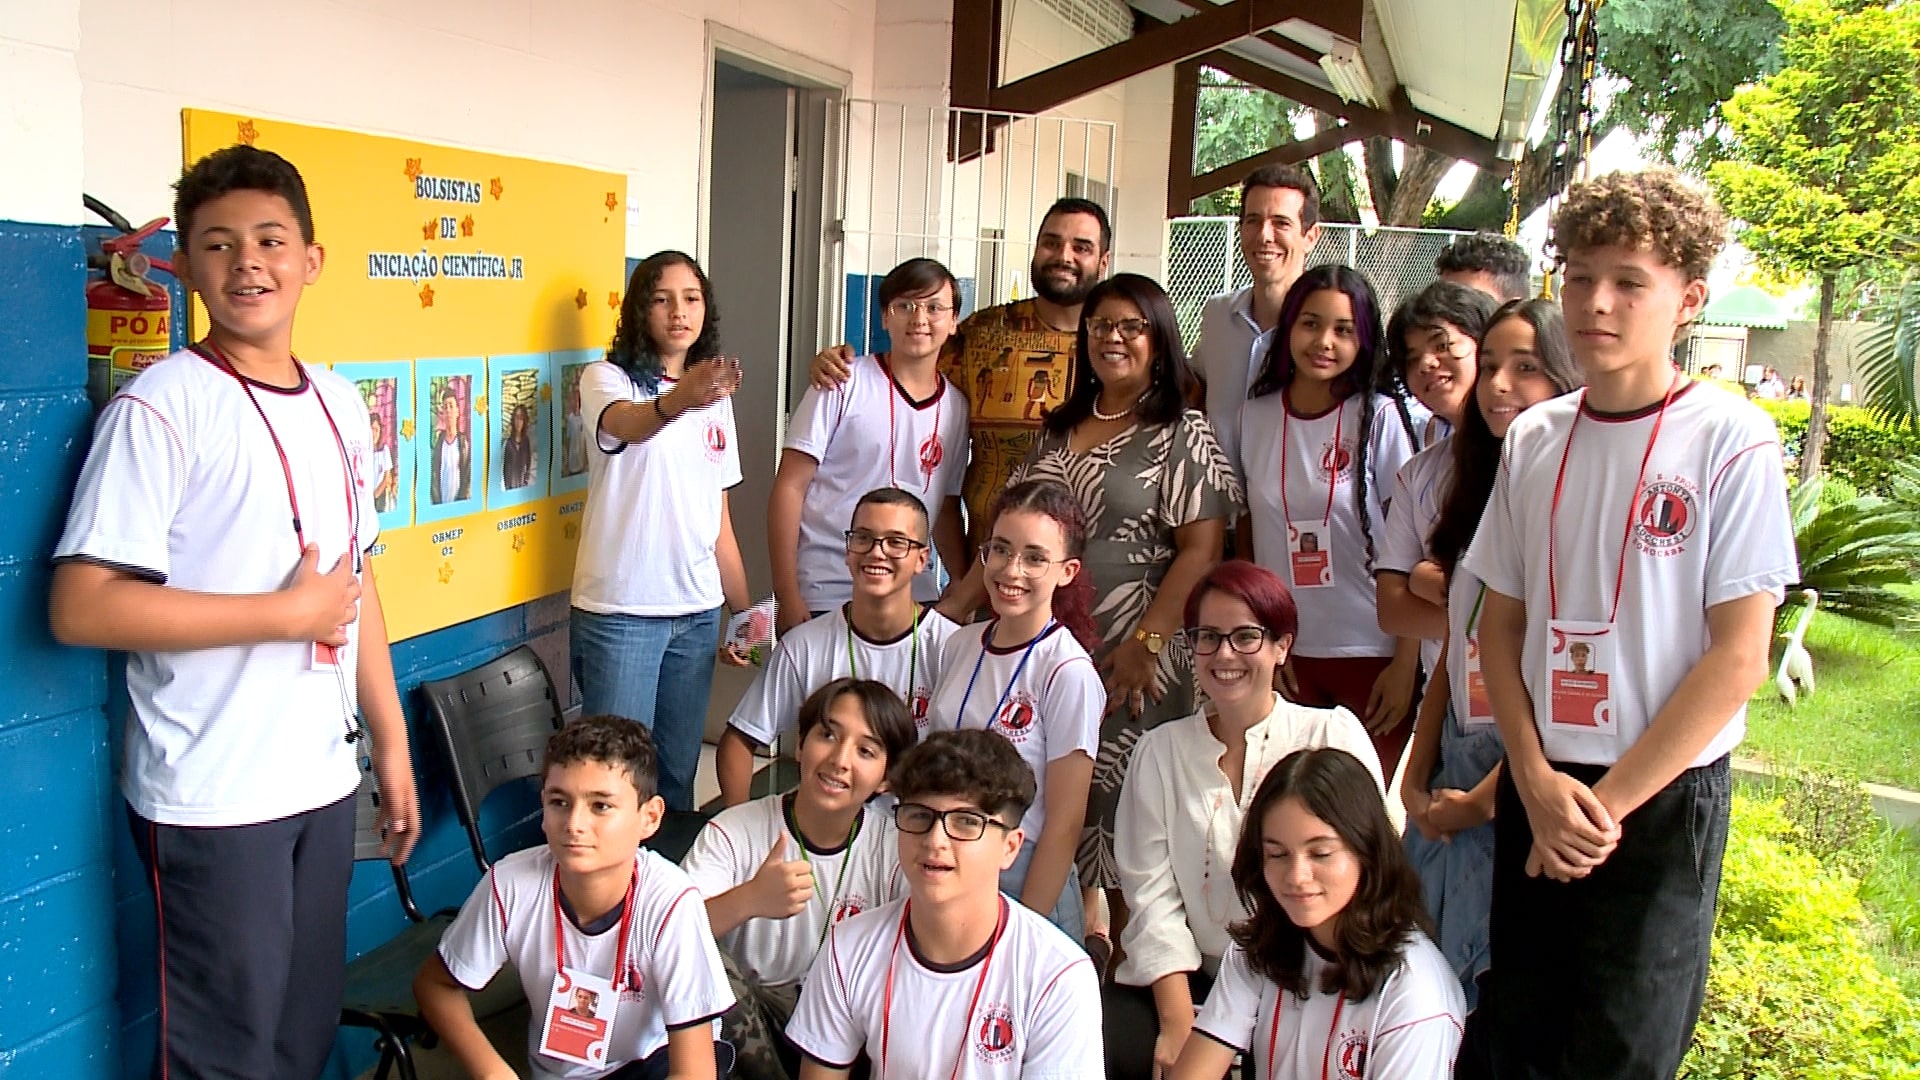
(782, 888)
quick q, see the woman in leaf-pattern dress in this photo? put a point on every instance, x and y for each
(1158, 492)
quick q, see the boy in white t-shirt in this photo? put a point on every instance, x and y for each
(216, 537)
(883, 633)
(895, 422)
(956, 980)
(778, 871)
(1646, 520)
(590, 911)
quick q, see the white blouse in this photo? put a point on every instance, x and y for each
(1178, 823)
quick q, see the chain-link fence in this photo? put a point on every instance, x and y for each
(1203, 260)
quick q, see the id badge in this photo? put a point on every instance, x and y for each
(1309, 554)
(324, 657)
(1479, 705)
(1579, 675)
(579, 1021)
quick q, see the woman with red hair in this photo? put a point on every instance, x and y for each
(1183, 802)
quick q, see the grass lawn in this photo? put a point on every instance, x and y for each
(1891, 891)
(1864, 718)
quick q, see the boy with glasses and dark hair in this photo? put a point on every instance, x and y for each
(955, 977)
(882, 633)
(895, 422)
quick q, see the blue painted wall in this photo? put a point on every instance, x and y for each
(76, 915)
(863, 310)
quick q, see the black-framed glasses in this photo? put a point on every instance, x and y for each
(860, 541)
(1098, 328)
(908, 309)
(1205, 641)
(996, 553)
(961, 824)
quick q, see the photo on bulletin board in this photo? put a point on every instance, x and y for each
(572, 436)
(387, 390)
(451, 474)
(517, 459)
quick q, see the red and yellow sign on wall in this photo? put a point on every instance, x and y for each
(462, 293)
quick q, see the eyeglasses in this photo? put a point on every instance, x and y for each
(918, 820)
(907, 309)
(1098, 328)
(860, 541)
(1205, 641)
(995, 553)
(1438, 344)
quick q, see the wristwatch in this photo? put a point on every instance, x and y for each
(1154, 642)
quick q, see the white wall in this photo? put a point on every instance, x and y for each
(40, 130)
(611, 84)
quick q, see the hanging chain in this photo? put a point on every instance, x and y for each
(1572, 132)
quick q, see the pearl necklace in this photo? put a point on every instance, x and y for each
(1122, 414)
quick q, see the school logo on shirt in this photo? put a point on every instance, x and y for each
(850, 905)
(1668, 512)
(361, 462)
(635, 986)
(922, 699)
(716, 439)
(993, 1038)
(1336, 461)
(1353, 1055)
(1015, 719)
(931, 454)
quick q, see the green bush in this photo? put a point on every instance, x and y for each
(1793, 991)
(1861, 450)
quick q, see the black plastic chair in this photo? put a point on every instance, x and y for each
(493, 722)
(379, 990)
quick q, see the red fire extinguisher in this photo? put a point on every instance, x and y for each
(129, 315)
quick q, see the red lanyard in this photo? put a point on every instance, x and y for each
(929, 453)
(1333, 474)
(1633, 505)
(626, 929)
(966, 1027)
(219, 359)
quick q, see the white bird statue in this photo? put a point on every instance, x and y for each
(1796, 664)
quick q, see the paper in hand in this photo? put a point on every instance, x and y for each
(750, 632)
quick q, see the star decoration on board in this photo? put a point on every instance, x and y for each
(466, 225)
(613, 300)
(406, 429)
(613, 200)
(519, 541)
(429, 230)
(480, 405)
(572, 530)
(580, 299)
(247, 133)
(413, 169)
(426, 296)
(546, 391)
(495, 187)
(446, 573)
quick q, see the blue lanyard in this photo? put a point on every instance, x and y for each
(985, 636)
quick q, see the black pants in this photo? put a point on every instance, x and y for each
(253, 942)
(1131, 1024)
(1602, 977)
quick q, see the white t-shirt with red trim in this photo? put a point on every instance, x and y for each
(674, 977)
(652, 520)
(1419, 490)
(183, 486)
(1051, 709)
(818, 652)
(1711, 525)
(1408, 1029)
(866, 434)
(1036, 1017)
(1341, 620)
(847, 880)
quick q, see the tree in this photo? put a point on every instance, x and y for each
(1824, 165)
(1671, 63)
(1888, 361)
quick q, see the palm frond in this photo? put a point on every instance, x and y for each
(1886, 355)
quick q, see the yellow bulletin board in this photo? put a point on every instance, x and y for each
(462, 294)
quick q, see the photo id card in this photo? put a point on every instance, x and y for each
(579, 1021)
(1479, 705)
(1308, 554)
(1579, 667)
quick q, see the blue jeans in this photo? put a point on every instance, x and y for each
(657, 671)
(1456, 875)
(1602, 977)
(1068, 913)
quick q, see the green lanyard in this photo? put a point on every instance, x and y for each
(1473, 617)
(846, 860)
(913, 658)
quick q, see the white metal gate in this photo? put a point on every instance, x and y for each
(963, 186)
